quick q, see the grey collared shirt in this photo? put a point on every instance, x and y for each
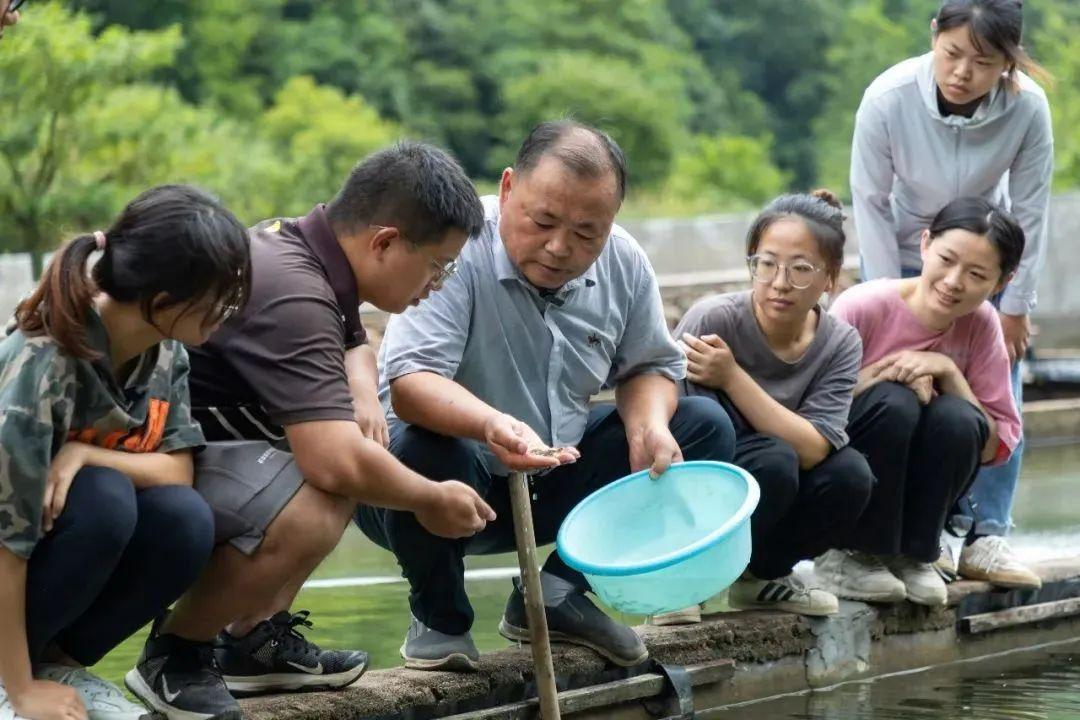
(539, 358)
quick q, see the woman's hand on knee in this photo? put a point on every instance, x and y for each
(923, 387)
(69, 461)
(45, 700)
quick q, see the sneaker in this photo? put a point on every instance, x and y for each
(575, 619)
(790, 594)
(276, 657)
(686, 616)
(179, 679)
(991, 559)
(921, 581)
(103, 700)
(428, 649)
(858, 576)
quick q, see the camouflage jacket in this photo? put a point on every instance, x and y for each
(48, 397)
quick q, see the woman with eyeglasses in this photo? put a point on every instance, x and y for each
(9, 13)
(966, 118)
(932, 403)
(784, 370)
(100, 528)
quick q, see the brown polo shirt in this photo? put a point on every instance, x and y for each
(282, 361)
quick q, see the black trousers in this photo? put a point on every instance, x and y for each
(116, 558)
(435, 567)
(924, 457)
(802, 513)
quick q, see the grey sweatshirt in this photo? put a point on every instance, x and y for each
(908, 161)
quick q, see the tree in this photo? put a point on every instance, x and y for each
(608, 93)
(721, 171)
(318, 133)
(852, 64)
(55, 72)
(1058, 47)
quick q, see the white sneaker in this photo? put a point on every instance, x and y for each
(7, 710)
(103, 700)
(791, 594)
(991, 559)
(923, 584)
(686, 616)
(858, 576)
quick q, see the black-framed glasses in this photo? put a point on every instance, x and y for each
(800, 274)
(445, 270)
(15, 5)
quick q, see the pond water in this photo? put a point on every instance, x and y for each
(358, 600)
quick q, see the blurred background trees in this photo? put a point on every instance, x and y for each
(720, 104)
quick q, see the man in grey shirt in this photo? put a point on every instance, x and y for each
(551, 302)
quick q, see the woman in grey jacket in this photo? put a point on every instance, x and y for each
(963, 119)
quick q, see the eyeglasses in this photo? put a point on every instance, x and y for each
(800, 274)
(445, 270)
(15, 5)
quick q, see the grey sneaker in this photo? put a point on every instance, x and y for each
(922, 583)
(428, 649)
(858, 576)
(103, 700)
(576, 620)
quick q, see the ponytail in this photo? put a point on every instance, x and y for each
(58, 305)
(172, 245)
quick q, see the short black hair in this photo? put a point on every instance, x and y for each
(413, 186)
(982, 217)
(584, 149)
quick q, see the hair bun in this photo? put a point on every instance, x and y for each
(829, 197)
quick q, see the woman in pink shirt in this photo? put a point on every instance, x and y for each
(932, 402)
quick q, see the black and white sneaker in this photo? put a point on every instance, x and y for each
(178, 678)
(276, 657)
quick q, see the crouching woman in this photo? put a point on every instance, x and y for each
(785, 370)
(932, 402)
(100, 528)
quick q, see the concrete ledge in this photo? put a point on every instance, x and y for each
(772, 653)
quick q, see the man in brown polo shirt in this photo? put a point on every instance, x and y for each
(286, 393)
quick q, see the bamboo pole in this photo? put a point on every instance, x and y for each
(534, 601)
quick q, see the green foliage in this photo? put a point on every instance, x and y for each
(318, 134)
(1058, 47)
(605, 92)
(716, 170)
(718, 103)
(852, 64)
(55, 75)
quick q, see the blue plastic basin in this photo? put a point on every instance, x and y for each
(651, 546)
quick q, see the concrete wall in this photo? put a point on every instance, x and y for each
(710, 243)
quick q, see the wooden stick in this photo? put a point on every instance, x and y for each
(534, 600)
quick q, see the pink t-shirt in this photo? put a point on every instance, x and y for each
(974, 342)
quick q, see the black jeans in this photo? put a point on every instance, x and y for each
(115, 559)
(435, 567)
(923, 456)
(801, 513)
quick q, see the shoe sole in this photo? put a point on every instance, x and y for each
(675, 618)
(290, 682)
(785, 607)
(457, 662)
(928, 602)
(135, 683)
(898, 595)
(1013, 584)
(517, 634)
